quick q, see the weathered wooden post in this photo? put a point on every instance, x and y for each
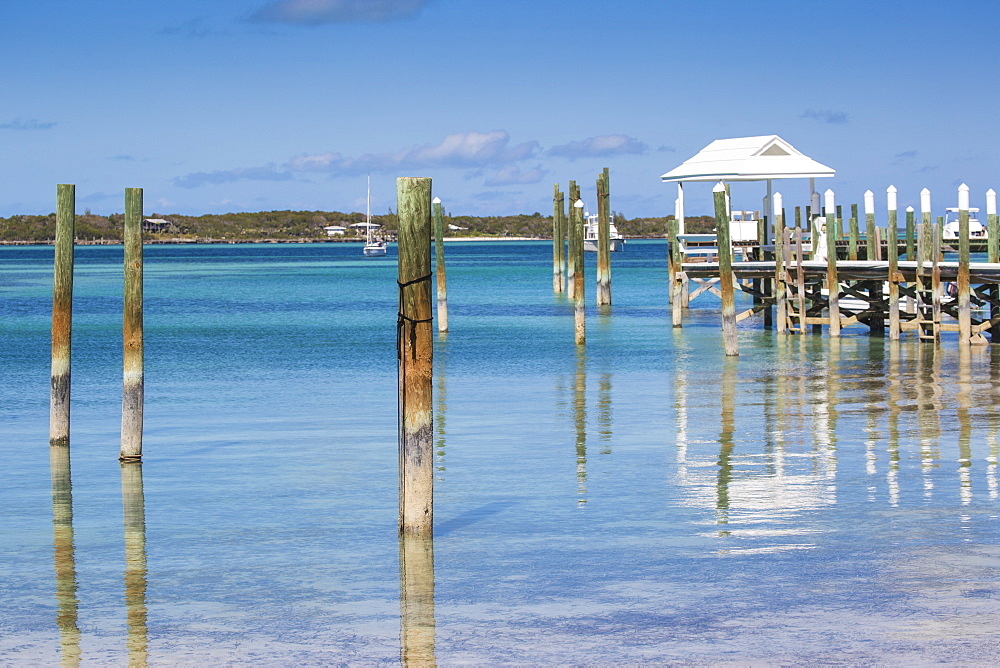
(571, 231)
(871, 245)
(832, 279)
(993, 255)
(579, 307)
(853, 234)
(677, 279)
(133, 388)
(780, 298)
(416, 356)
(992, 227)
(134, 516)
(603, 239)
(911, 248)
(558, 241)
(439, 270)
(894, 278)
(964, 301)
(891, 218)
(726, 270)
(62, 314)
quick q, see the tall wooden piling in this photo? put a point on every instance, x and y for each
(133, 386)
(603, 239)
(780, 298)
(911, 247)
(62, 314)
(579, 307)
(558, 241)
(726, 271)
(964, 301)
(871, 243)
(571, 230)
(832, 279)
(439, 270)
(854, 234)
(993, 255)
(416, 354)
(677, 279)
(894, 279)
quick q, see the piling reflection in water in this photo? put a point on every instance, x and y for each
(134, 513)
(416, 599)
(604, 413)
(64, 555)
(580, 422)
(929, 407)
(726, 443)
(440, 403)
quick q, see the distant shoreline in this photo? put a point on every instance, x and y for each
(179, 241)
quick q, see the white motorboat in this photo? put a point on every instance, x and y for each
(950, 231)
(616, 240)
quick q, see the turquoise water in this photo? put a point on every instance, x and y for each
(639, 500)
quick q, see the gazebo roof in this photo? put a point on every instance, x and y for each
(748, 159)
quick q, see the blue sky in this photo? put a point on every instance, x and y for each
(250, 105)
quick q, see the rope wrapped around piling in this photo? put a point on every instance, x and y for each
(401, 319)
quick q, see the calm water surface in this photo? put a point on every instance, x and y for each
(642, 500)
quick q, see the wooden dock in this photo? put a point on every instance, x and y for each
(926, 297)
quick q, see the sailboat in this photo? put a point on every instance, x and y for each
(373, 246)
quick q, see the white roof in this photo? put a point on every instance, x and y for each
(374, 226)
(748, 159)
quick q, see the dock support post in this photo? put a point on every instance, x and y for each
(416, 357)
(133, 384)
(677, 282)
(439, 269)
(871, 239)
(964, 302)
(911, 246)
(894, 279)
(571, 231)
(62, 314)
(853, 234)
(726, 270)
(579, 306)
(603, 240)
(558, 241)
(993, 255)
(780, 297)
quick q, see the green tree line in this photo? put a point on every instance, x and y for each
(305, 225)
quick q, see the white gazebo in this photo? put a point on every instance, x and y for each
(763, 158)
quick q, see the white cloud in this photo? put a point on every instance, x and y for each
(266, 173)
(596, 147)
(318, 12)
(512, 175)
(826, 116)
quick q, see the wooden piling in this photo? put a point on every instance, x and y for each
(992, 227)
(780, 297)
(964, 301)
(62, 314)
(133, 385)
(579, 307)
(911, 248)
(416, 354)
(871, 243)
(894, 279)
(853, 234)
(574, 195)
(726, 271)
(558, 241)
(603, 239)
(677, 280)
(439, 269)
